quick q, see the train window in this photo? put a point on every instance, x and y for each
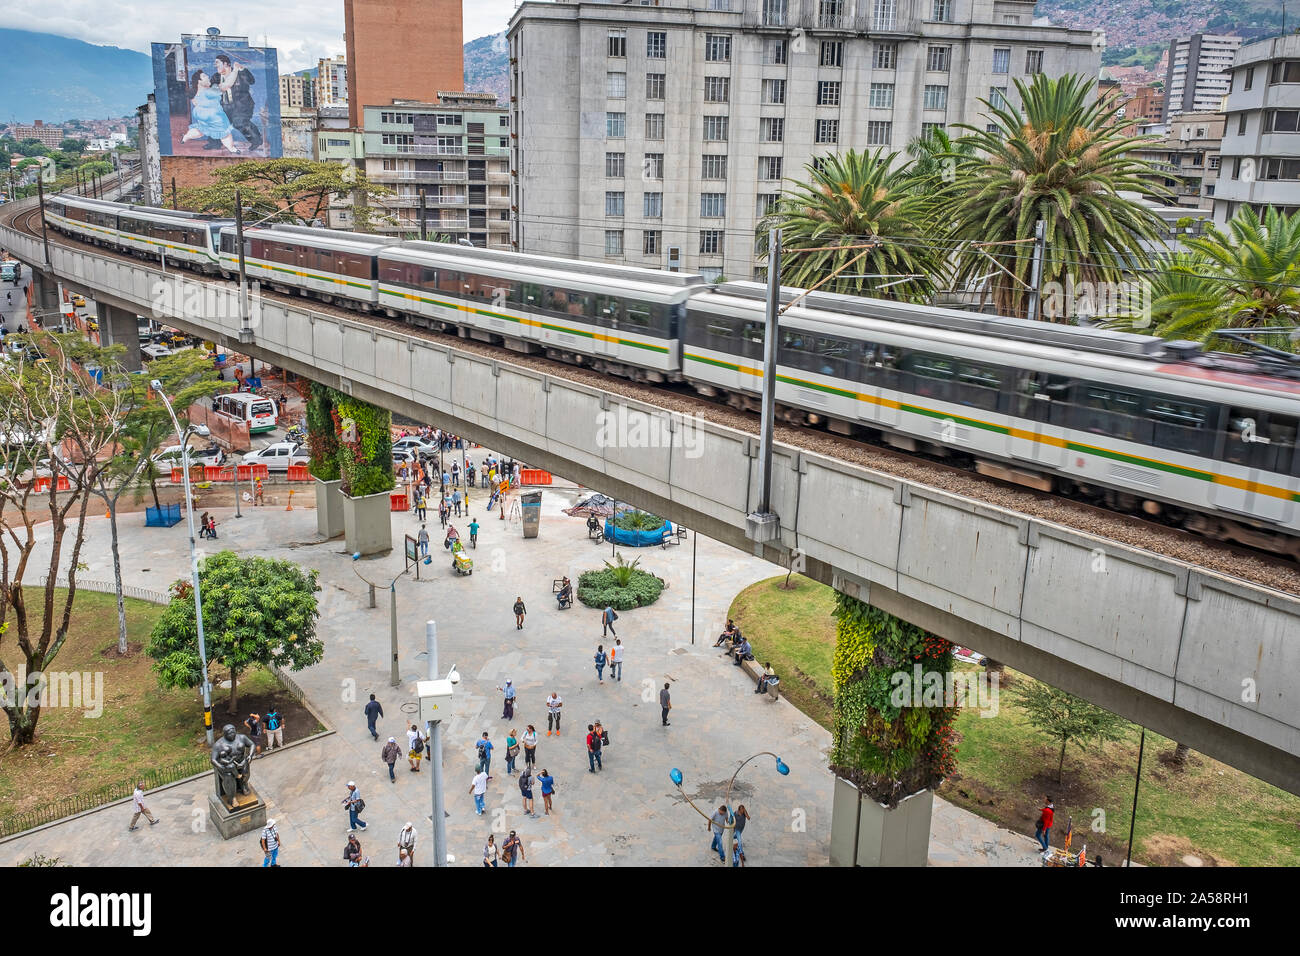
(608, 310)
(640, 318)
(531, 294)
(1104, 410)
(978, 386)
(1041, 397)
(1260, 440)
(449, 282)
(1179, 426)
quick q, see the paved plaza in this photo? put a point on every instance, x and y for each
(630, 813)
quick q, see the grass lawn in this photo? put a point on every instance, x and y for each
(1209, 811)
(142, 727)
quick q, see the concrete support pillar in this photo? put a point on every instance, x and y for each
(120, 327)
(45, 298)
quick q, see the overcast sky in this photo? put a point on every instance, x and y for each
(303, 31)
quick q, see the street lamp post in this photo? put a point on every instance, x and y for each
(184, 438)
(729, 826)
(435, 699)
(394, 678)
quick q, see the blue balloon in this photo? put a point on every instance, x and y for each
(676, 776)
(356, 555)
(781, 768)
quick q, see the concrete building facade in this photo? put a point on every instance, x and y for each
(297, 90)
(1187, 153)
(1197, 77)
(380, 69)
(331, 82)
(50, 136)
(658, 135)
(455, 153)
(1261, 141)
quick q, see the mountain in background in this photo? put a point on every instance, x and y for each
(54, 78)
(487, 66)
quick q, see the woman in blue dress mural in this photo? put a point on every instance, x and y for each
(207, 118)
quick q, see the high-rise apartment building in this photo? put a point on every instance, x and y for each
(1196, 80)
(297, 90)
(455, 154)
(401, 49)
(332, 82)
(1260, 153)
(50, 136)
(659, 135)
(1186, 156)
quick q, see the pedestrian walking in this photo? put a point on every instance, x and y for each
(553, 705)
(593, 749)
(352, 800)
(548, 789)
(414, 747)
(607, 619)
(1043, 829)
(512, 751)
(508, 705)
(603, 734)
(490, 854)
(443, 511)
(530, 746)
(455, 501)
(254, 725)
(742, 817)
(137, 801)
(274, 730)
(446, 479)
(270, 841)
(520, 611)
(421, 504)
(374, 710)
(352, 852)
(389, 755)
(717, 823)
(258, 493)
(616, 654)
(513, 849)
(479, 789)
(665, 704)
(423, 540)
(455, 474)
(600, 659)
(473, 534)
(406, 843)
(526, 790)
(484, 753)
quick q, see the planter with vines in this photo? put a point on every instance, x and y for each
(621, 585)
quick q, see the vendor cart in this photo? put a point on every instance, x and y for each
(461, 562)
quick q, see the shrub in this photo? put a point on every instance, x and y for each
(638, 521)
(601, 589)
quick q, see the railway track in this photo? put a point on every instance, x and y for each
(1260, 567)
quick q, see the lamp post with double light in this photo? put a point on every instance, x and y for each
(729, 826)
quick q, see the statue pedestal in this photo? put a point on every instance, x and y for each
(247, 814)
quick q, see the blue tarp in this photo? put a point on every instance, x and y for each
(165, 517)
(636, 539)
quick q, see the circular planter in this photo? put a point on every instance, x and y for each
(597, 589)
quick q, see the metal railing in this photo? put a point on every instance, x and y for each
(107, 587)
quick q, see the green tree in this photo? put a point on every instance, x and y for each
(256, 611)
(934, 164)
(854, 199)
(288, 190)
(98, 167)
(73, 145)
(32, 147)
(1065, 719)
(1060, 157)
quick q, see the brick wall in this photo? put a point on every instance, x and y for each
(429, 57)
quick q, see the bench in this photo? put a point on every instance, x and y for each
(754, 669)
(673, 536)
(556, 585)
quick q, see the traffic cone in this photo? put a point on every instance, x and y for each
(290, 505)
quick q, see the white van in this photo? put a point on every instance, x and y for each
(257, 411)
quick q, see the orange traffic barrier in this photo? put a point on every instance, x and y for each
(398, 501)
(41, 483)
(63, 484)
(534, 476)
(244, 472)
(299, 473)
(259, 471)
(217, 473)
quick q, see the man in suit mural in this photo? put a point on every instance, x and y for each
(237, 99)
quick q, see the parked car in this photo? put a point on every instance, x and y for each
(155, 351)
(408, 455)
(171, 456)
(278, 456)
(425, 449)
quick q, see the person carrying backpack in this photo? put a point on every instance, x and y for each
(274, 730)
(526, 790)
(414, 747)
(594, 743)
(607, 619)
(600, 658)
(484, 753)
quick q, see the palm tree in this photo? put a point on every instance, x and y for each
(1060, 158)
(848, 199)
(934, 161)
(1243, 278)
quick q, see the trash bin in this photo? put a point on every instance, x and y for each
(531, 508)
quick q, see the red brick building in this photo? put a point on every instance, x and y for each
(428, 58)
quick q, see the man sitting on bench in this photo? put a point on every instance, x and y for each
(743, 652)
(766, 679)
(565, 595)
(728, 633)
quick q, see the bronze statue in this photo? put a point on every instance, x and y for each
(232, 757)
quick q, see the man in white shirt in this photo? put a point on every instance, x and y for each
(479, 789)
(137, 800)
(406, 841)
(616, 655)
(270, 844)
(553, 705)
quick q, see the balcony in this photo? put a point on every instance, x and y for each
(498, 176)
(393, 176)
(431, 200)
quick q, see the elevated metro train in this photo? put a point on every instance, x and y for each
(1206, 439)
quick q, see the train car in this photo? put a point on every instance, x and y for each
(1208, 439)
(179, 236)
(623, 320)
(335, 267)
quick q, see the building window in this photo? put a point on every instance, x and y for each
(715, 129)
(828, 131)
(766, 204)
(1214, 162)
(1250, 77)
(775, 12)
(771, 129)
(448, 119)
(505, 121)
(828, 93)
(774, 52)
(654, 86)
(653, 206)
(938, 59)
(1284, 71)
(615, 164)
(1282, 121)
(1033, 61)
(935, 98)
(769, 168)
(881, 96)
(615, 125)
(941, 10)
(883, 15)
(710, 242)
(654, 126)
(656, 45)
(613, 242)
(879, 132)
(717, 89)
(885, 56)
(929, 129)
(1002, 59)
(650, 242)
(713, 167)
(652, 167)
(713, 205)
(774, 91)
(618, 43)
(1276, 168)
(818, 164)
(613, 204)
(1241, 125)
(717, 47)
(832, 53)
(998, 97)
(616, 85)
(396, 139)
